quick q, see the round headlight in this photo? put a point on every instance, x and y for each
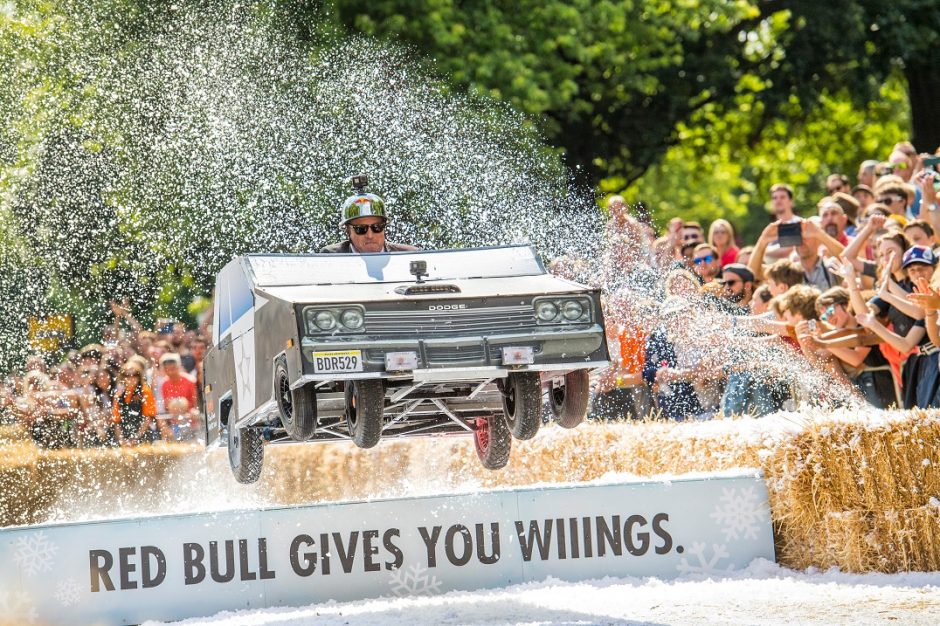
(324, 320)
(572, 310)
(546, 311)
(351, 319)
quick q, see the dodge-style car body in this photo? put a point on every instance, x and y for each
(332, 347)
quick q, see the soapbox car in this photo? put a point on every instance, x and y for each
(333, 347)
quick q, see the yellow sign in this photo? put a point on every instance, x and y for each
(52, 333)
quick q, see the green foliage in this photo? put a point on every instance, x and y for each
(725, 163)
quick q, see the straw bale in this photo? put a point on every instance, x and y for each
(845, 491)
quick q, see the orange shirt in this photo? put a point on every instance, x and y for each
(632, 345)
(148, 408)
(632, 349)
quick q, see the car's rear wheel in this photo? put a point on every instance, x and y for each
(245, 453)
(569, 402)
(365, 406)
(298, 408)
(522, 404)
(492, 441)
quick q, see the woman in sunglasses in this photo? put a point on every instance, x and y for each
(134, 408)
(364, 219)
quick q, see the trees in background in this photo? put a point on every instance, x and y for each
(693, 106)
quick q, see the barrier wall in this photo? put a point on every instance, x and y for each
(171, 567)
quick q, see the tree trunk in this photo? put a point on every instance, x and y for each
(923, 89)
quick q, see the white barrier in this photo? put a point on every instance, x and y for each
(172, 567)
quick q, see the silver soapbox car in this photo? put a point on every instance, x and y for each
(333, 347)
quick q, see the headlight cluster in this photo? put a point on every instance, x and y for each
(345, 319)
(562, 310)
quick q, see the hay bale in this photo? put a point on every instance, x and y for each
(845, 491)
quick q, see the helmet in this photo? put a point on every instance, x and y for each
(362, 205)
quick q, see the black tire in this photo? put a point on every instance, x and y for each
(569, 402)
(365, 407)
(492, 441)
(522, 404)
(297, 408)
(245, 453)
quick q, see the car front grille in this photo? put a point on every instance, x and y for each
(481, 321)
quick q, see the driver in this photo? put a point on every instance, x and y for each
(363, 218)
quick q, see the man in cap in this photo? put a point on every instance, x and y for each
(364, 219)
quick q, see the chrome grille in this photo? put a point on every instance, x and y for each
(456, 354)
(479, 321)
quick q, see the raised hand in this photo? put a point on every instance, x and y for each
(885, 278)
(925, 181)
(866, 320)
(877, 221)
(770, 232)
(924, 296)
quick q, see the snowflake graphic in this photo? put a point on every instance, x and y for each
(414, 581)
(705, 565)
(68, 592)
(34, 553)
(17, 608)
(740, 513)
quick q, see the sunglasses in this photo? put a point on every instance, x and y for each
(835, 189)
(362, 229)
(129, 374)
(830, 310)
(689, 236)
(888, 200)
(704, 259)
(728, 283)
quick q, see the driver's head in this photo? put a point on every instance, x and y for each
(363, 217)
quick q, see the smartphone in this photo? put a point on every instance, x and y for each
(930, 163)
(790, 235)
(812, 326)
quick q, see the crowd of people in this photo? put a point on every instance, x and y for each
(847, 288)
(136, 386)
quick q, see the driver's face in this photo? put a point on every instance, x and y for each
(369, 241)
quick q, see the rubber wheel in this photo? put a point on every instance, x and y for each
(245, 453)
(522, 404)
(569, 402)
(298, 408)
(492, 441)
(365, 406)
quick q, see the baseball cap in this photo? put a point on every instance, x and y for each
(170, 357)
(741, 270)
(918, 254)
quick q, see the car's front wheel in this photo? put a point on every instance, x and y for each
(245, 453)
(492, 441)
(365, 406)
(297, 408)
(569, 402)
(522, 404)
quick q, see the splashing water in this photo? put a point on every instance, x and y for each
(197, 133)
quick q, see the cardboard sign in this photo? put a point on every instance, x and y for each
(173, 567)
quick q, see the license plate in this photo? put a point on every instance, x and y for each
(337, 361)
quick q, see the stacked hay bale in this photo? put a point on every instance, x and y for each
(861, 493)
(858, 496)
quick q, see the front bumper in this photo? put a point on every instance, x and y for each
(465, 357)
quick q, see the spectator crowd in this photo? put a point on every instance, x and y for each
(137, 386)
(847, 289)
